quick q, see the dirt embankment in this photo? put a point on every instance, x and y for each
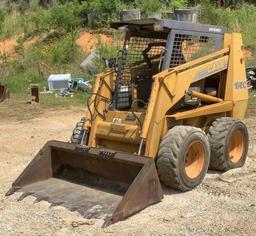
(86, 40)
(225, 204)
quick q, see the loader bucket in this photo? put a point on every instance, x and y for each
(98, 183)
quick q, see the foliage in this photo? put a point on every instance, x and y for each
(103, 52)
(102, 12)
(240, 19)
(56, 52)
(108, 51)
(23, 6)
(229, 3)
(40, 20)
(62, 17)
(70, 15)
(11, 24)
(20, 77)
(106, 6)
(67, 16)
(19, 73)
(178, 4)
(2, 17)
(149, 6)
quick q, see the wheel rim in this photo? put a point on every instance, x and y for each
(236, 146)
(194, 159)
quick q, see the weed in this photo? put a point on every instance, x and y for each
(240, 19)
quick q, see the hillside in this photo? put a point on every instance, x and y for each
(60, 36)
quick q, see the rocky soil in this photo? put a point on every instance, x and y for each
(225, 204)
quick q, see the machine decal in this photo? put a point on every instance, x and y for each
(241, 85)
(212, 69)
(215, 30)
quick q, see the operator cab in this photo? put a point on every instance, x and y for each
(151, 46)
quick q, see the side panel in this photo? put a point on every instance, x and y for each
(236, 83)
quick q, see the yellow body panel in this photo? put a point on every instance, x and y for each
(236, 88)
(116, 132)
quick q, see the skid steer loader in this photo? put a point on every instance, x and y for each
(170, 109)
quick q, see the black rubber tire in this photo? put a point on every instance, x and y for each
(172, 153)
(219, 136)
(78, 131)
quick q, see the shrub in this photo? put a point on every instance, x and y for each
(61, 51)
(40, 20)
(2, 17)
(67, 16)
(108, 50)
(106, 6)
(240, 19)
(148, 6)
(175, 4)
(104, 51)
(103, 12)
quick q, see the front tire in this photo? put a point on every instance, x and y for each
(183, 157)
(229, 142)
(78, 132)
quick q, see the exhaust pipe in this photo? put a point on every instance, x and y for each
(98, 183)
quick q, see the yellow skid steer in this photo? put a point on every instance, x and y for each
(169, 110)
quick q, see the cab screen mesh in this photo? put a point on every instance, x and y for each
(189, 47)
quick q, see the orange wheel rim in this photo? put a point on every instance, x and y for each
(194, 159)
(236, 146)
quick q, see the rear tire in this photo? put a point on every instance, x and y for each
(183, 157)
(78, 131)
(229, 142)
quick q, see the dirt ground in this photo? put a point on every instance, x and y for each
(87, 41)
(225, 204)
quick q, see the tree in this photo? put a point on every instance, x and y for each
(105, 6)
(149, 6)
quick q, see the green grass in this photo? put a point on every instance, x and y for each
(240, 20)
(251, 107)
(50, 101)
(61, 55)
(252, 99)
(11, 25)
(20, 75)
(19, 86)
